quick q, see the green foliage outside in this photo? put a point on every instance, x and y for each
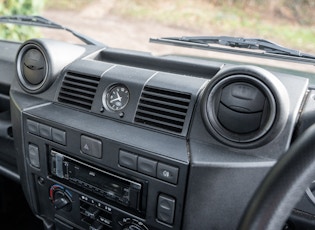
(19, 7)
(287, 22)
(67, 5)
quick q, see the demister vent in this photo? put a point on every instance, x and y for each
(163, 109)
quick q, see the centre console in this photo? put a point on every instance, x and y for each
(85, 180)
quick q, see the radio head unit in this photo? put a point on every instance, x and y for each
(113, 188)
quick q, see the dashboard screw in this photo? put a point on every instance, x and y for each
(121, 114)
(41, 180)
(102, 109)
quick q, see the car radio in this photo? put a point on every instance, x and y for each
(106, 185)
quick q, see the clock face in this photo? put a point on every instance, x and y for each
(116, 97)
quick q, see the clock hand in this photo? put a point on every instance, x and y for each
(116, 99)
(118, 96)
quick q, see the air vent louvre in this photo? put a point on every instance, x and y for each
(163, 109)
(78, 90)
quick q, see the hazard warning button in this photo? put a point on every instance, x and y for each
(91, 146)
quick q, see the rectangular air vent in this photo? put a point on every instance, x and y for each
(78, 90)
(163, 109)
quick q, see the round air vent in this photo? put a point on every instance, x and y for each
(32, 68)
(39, 62)
(245, 106)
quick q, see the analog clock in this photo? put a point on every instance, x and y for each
(116, 97)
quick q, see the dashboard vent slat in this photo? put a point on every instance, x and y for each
(163, 109)
(163, 104)
(167, 98)
(88, 88)
(78, 90)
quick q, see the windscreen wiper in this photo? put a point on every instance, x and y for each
(207, 42)
(43, 22)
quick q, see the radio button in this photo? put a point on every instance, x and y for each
(108, 209)
(85, 198)
(105, 220)
(91, 212)
(147, 166)
(128, 160)
(167, 173)
(91, 146)
(100, 205)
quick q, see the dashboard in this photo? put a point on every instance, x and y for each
(103, 138)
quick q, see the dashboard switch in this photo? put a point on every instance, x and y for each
(166, 209)
(167, 173)
(32, 127)
(147, 166)
(33, 153)
(91, 146)
(45, 131)
(59, 136)
(128, 160)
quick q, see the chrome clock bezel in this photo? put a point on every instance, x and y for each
(111, 100)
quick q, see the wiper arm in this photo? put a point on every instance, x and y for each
(235, 42)
(43, 22)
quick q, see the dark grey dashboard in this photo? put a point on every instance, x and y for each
(118, 139)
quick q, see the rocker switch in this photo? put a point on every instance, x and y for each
(166, 209)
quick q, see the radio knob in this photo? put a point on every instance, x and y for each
(62, 201)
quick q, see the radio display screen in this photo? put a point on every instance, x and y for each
(105, 184)
(100, 180)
